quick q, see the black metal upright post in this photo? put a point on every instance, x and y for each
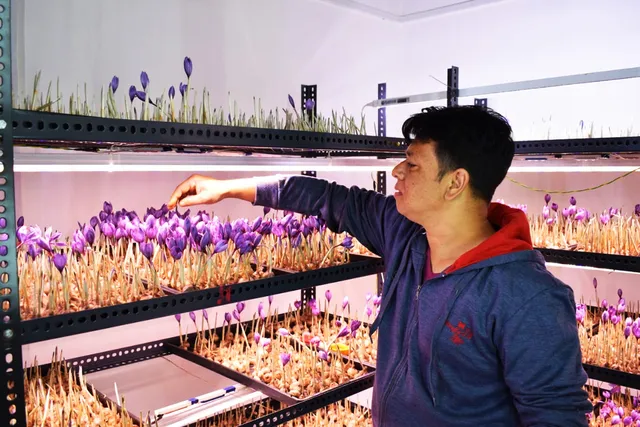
(309, 101)
(452, 86)
(307, 294)
(481, 102)
(381, 178)
(13, 407)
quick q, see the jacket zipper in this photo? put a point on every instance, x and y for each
(431, 388)
(396, 374)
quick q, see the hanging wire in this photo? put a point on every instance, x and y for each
(542, 190)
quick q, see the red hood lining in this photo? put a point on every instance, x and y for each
(513, 235)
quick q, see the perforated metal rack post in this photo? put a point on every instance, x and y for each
(12, 408)
(309, 93)
(452, 86)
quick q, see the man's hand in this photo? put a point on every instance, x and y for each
(202, 190)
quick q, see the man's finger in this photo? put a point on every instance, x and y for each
(181, 190)
(196, 199)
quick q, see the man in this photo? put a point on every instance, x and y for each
(473, 330)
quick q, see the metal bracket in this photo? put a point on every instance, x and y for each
(452, 86)
(382, 112)
(307, 294)
(309, 93)
(481, 102)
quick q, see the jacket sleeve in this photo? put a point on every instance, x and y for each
(365, 214)
(542, 361)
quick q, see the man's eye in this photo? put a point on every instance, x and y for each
(410, 165)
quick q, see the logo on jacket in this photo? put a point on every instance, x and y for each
(460, 332)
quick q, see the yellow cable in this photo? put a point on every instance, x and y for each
(542, 190)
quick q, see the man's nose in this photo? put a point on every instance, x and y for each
(398, 171)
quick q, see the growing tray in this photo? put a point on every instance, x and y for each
(101, 396)
(173, 346)
(45, 328)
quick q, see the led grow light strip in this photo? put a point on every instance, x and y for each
(600, 76)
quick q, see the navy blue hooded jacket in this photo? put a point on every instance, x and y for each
(491, 341)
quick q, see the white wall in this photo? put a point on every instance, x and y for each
(248, 49)
(528, 39)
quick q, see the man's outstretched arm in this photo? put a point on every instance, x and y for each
(362, 213)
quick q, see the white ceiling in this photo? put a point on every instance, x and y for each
(409, 10)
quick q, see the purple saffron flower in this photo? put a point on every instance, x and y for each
(227, 318)
(595, 283)
(285, 358)
(137, 235)
(283, 332)
(338, 323)
(566, 212)
(344, 332)
(256, 223)
(604, 218)
(256, 338)
(554, 206)
(368, 311)
(192, 315)
(581, 215)
(605, 316)
(132, 92)
(20, 222)
(377, 300)
(172, 92)
(183, 88)
(205, 314)
(270, 299)
(345, 302)
(147, 250)
(261, 312)
(355, 324)
(297, 304)
(309, 104)
(144, 79)
(619, 292)
(547, 199)
(60, 260)
(293, 104)
(266, 210)
(240, 307)
(327, 295)
(315, 341)
(347, 242)
(572, 201)
(615, 420)
(115, 81)
(221, 246)
(637, 209)
(323, 355)
(627, 331)
(188, 66)
(178, 317)
(236, 315)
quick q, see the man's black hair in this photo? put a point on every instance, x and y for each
(473, 138)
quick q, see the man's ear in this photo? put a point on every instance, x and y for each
(457, 181)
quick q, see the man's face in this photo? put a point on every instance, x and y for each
(418, 189)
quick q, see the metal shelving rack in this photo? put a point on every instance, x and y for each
(38, 129)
